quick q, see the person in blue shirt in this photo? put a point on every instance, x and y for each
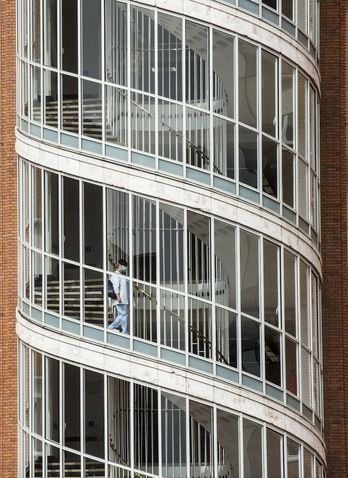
(121, 288)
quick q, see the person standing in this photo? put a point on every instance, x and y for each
(121, 288)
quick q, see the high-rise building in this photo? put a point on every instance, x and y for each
(170, 151)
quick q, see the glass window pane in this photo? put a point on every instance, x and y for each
(252, 444)
(50, 92)
(315, 316)
(304, 303)
(250, 346)
(271, 283)
(269, 93)
(51, 284)
(288, 176)
(248, 157)
(302, 14)
(198, 151)
(223, 74)
(293, 459)
(172, 321)
(71, 219)
(92, 114)
(170, 130)
(200, 328)
(91, 38)
(228, 444)
(273, 362)
(52, 400)
(116, 44)
(197, 64)
(198, 263)
(303, 189)
(291, 361)
(290, 293)
(116, 115)
(146, 439)
(302, 126)
(274, 454)
(249, 273)
(247, 76)
(69, 39)
(72, 409)
(119, 421)
(37, 206)
(288, 8)
(36, 93)
(306, 377)
(71, 291)
(144, 123)
(307, 464)
(142, 35)
(225, 264)
(70, 114)
(37, 265)
(93, 225)
(117, 227)
(201, 439)
(51, 204)
(94, 413)
(288, 93)
(170, 57)
(145, 312)
(173, 428)
(144, 239)
(171, 243)
(38, 393)
(93, 299)
(50, 32)
(269, 166)
(226, 337)
(223, 147)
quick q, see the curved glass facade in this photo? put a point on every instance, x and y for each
(190, 151)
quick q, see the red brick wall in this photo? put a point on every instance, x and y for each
(8, 245)
(334, 189)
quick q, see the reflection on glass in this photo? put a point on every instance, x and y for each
(315, 314)
(306, 377)
(252, 445)
(249, 273)
(50, 32)
(37, 207)
(302, 186)
(94, 413)
(288, 93)
(304, 304)
(302, 127)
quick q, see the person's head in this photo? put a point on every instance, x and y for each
(122, 266)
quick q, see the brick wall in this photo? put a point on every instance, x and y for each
(8, 245)
(334, 189)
